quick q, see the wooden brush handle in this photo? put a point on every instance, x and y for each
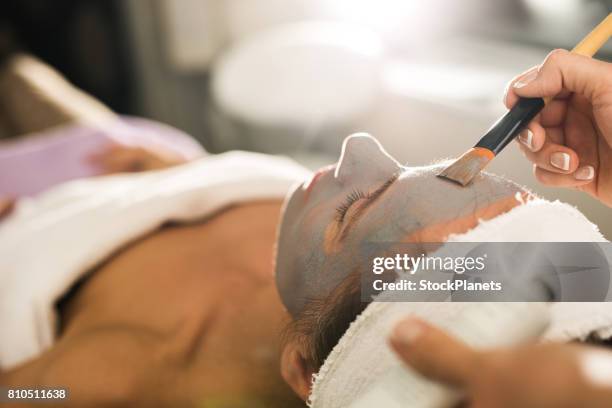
(593, 41)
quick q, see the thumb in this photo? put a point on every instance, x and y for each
(433, 353)
(563, 72)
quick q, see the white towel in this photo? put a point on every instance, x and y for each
(51, 240)
(362, 354)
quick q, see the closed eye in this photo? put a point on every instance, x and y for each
(351, 199)
(356, 196)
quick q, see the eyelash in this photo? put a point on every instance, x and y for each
(343, 208)
(357, 195)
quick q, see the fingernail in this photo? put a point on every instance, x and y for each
(560, 160)
(526, 138)
(525, 80)
(407, 332)
(585, 173)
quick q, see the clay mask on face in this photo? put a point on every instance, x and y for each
(366, 197)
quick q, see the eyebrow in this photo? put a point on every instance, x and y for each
(372, 197)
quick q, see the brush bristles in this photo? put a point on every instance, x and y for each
(465, 168)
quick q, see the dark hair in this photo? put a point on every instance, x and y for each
(322, 322)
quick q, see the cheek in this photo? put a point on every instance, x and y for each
(315, 233)
(330, 243)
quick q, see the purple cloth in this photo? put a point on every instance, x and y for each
(39, 161)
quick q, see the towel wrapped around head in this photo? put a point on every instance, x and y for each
(362, 354)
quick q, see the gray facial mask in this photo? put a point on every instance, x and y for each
(328, 218)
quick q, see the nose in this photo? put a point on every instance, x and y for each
(363, 156)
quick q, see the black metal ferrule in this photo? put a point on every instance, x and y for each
(511, 124)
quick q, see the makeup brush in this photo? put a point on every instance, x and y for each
(465, 168)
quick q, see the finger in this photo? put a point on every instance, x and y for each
(433, 353)
(554, 113)
(6, 206)
(510, 93)
(533, 136)
(555, 135)
(554, 157)
(510, 97)
(581, 177)
(580, 134)
(563, 71)
(97, 156)
(121, 160)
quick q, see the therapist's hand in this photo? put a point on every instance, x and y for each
(551, 375)
(570, 141)
(129, 159)
(6, 206)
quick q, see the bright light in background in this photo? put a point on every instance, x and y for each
(555, 10)
(382, 15)
(300, 74)
(446, 82)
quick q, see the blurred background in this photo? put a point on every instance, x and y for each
(294, 77)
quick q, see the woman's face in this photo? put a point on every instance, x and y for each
(367, 197)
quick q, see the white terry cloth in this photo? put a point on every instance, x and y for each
(362, 354)
(51, 240)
